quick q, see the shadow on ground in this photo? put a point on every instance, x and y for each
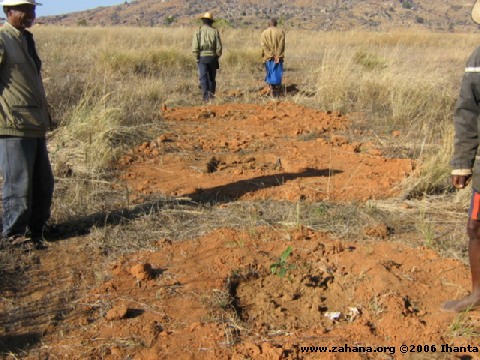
(216, 195)
(234, 191)
(18, 343)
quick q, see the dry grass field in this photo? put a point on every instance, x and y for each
(246, 228)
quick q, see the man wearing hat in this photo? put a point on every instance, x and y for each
(207, 48)
(24, 121)
(466, 165)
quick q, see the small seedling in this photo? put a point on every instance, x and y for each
(280, 267)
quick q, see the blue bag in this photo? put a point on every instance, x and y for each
(274, 72)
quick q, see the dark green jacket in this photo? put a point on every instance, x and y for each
(23, 105)
(206, 42)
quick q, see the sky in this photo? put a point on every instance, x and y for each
(57, 7)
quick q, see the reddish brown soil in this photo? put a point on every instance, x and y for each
(215, 297)
(278, 151)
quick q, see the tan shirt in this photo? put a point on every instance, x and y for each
(273, 43)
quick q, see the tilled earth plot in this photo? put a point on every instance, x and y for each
(262, 292)
(216, 297)
(278, 151)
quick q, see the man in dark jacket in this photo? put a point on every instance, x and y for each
(24, 121)
(207, 48)
(466, 165)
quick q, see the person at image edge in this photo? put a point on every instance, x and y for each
(24, 121)
(466, 166)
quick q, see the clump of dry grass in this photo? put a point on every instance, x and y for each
(433, 170)
(96, 132)
(385, 88)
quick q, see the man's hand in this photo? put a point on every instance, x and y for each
(460, 181)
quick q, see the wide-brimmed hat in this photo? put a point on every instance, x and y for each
(19, 2)
(207, 15)
(476, 12)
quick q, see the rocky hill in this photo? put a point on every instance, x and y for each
(431, 15)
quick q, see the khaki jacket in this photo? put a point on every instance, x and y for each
(273, 43)
(23, 104)
(206, 42)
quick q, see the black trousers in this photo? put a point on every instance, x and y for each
(207, 74)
